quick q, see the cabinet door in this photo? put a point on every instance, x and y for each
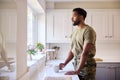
(67, 26)
(12, 27)
(114, 21)
(105, 72)
(8, 25)
(88, 19)
(49, 24)
(117, 77)
(110, 72)
(101, 73)
(55, 26)
(99, 21)
(59, 26)
(118, 73)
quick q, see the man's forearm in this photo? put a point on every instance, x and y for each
(83, 59)
(69, 58)
(82, 62)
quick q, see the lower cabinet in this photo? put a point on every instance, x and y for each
(108, 71)
(117, 76)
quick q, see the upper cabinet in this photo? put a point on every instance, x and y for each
(104, 21)
(8, 23)
(106, 24)
(99, 21)
(59, 26)
(114, 21)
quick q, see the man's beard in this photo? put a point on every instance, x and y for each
(75, 23)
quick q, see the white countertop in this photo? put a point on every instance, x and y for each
(35, 58)
(109, 61)
(49, 72)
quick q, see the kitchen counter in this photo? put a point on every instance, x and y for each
(51, 75)
(109, 61)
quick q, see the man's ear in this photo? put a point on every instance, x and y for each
(81, 17)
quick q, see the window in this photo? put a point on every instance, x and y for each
(31, 28)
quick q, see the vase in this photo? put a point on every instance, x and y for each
(30, 56)
(39, 50)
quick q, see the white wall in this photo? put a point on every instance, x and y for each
(108, 50)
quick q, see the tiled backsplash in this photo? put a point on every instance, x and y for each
(103, 50)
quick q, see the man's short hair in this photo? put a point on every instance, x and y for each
(80, 11)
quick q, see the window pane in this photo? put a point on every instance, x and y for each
(29, 27)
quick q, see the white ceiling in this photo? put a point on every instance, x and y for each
(35, 5)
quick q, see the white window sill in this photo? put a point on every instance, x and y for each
(35, 58)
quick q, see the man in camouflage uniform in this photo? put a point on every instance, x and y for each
(83, 47)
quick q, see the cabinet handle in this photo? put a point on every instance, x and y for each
(67, 36)
(106, 36)
(111, 67)
(110, 36)
(101, 67)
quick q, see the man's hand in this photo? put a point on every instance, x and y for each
(69, 58)
(72, 73)
(61, 66)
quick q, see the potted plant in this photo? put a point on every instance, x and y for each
(31, 51)
(40, 46)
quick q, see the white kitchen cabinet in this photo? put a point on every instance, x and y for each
(106, 24)
(49, 21)
(99, 21)
(114, 21)
(8, 23)
(68, 28)
(104, 21)
(108, 71)
(59, 26)
(88, 19)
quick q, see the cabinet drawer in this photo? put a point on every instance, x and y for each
(108, 65)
